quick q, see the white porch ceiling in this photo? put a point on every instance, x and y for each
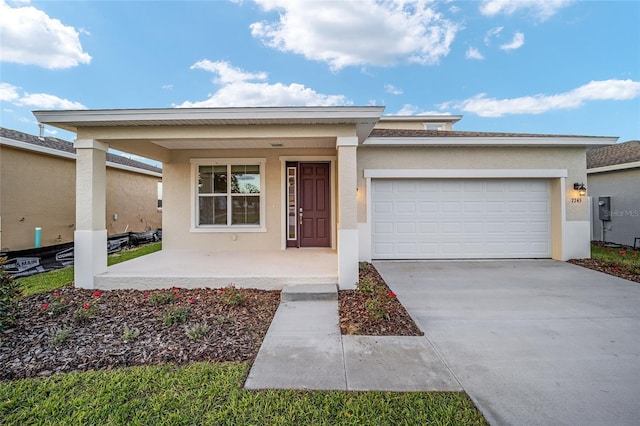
(262, 143)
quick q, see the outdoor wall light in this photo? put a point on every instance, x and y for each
(582, 190)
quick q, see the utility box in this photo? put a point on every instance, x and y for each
(604, 208)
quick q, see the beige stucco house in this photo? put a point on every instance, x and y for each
(287, 186)
(38, 189)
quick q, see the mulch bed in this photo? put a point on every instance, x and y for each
(235, 332)
(356, 319)
(611, 268)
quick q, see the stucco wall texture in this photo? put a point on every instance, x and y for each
(178, 204)
(38, 190)
(623, 188)
(572, 159)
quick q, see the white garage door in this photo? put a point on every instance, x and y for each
(461, 218)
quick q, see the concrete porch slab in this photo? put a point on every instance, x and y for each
(268, 270)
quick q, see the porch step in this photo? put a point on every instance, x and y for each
(300, 292)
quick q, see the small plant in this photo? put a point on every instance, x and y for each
(172, 316)
(130, 333)
(375, 308)
(197, 331)
(58, 336)
(57, 305)
(9, 294)
(220, 319)
(368, 286)
(230, 295)
(161, 298)
(86, 311)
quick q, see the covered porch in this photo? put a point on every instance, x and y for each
(231, 204)
(268, 270)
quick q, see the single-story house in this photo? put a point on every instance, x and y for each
(613, 178)
(249, 184)
(38, 190)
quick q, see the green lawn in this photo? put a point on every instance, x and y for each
(618, 255)
(207, 393)
(48, 281)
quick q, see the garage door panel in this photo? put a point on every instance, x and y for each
(383, 207)
(428, 207)
(539, 206)
(428, 186)
(403, 228)
(428, 228)
(406, 207)
(383, 228)
(517, 207)
(451, 206)
(456, 218)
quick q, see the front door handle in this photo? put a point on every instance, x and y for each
(300, 215)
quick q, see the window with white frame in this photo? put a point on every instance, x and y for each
(229, 193)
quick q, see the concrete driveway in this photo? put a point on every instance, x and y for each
(532, 342)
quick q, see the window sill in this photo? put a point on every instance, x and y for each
(229, 230)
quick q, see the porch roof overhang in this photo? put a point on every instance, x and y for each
(153, 133)
(363, 118)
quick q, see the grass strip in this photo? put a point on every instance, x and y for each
(620, 255)
(210, 393)
(48, 281)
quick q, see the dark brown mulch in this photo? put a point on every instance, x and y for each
(355, 319)
(235, 332)
(611, 268)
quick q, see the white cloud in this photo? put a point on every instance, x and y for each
(390, 88)
(492, 33)
(51, 132)
(12, 94)
(358, 33)
(408, 109)
(473, 53)
(30, 36)
(542, 9)
(8, 92)
(226, 73)
(538, 104)
(238, 89)
(516, 43)
(167, 86)
(47, 101)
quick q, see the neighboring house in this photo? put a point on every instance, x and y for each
(614, 171)
(251, 180)
(38, 189)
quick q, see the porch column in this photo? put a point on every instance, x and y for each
(90, 237)
(347, 212)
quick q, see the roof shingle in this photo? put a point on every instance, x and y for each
(620, 153)
(397, 133)
(66, 146)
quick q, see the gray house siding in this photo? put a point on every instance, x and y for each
(623, 186)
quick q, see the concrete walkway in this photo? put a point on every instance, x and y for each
(304, 349)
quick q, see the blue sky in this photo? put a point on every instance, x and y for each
(553, 66)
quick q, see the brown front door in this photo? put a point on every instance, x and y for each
(314, 205)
